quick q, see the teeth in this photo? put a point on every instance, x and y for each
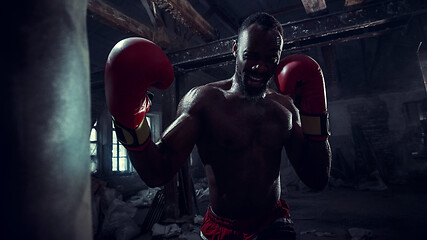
(257, 79)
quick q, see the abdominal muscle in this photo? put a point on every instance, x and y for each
(240, 146)
(237, 193)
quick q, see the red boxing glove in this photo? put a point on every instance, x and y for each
(301, 77)
(134, 65)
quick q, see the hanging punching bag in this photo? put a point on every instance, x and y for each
(45, 103)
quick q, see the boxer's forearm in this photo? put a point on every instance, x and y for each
(315, 164)
(151, 165)
(159, 162)
(311, 161)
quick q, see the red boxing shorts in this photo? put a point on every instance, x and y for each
(275, 225)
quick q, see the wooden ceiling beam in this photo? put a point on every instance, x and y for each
(370, 21)
(349, 3)
(183, 12)
(112, 17)
(314, 6)
(160, 34)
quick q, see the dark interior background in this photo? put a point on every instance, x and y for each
(370, 53)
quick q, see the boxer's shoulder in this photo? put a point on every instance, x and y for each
(210, 93)
(202, 96)
(285, 103)
(220, 85)
(282, 99)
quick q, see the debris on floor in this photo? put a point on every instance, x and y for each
(112, 217)
(335, 213)
(190, 236)
(165, 231)
(372, 183)
(360, 234)
(190, 232)
(202, 193)
(118, 220)
(318, 234)
(198, 219)
(143, 198)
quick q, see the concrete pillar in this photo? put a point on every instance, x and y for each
(45, 100)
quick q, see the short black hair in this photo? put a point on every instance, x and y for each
(263, 19)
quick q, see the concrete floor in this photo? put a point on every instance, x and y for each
(397, 213)
(400, 212)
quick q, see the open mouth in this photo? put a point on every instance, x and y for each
(255, 81)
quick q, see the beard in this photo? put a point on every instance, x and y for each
(251, 92)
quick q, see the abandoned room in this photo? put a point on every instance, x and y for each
(69, 173)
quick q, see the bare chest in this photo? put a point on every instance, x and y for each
(246, 125)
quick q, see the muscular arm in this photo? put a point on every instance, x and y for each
(159, 162)
(310, 159)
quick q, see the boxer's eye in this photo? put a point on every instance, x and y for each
(249, 56)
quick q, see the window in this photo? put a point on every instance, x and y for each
(93, 149)
(120, 161)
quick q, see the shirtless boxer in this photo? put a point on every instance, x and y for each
(239, 126)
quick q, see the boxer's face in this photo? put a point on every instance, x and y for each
(257, 55)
